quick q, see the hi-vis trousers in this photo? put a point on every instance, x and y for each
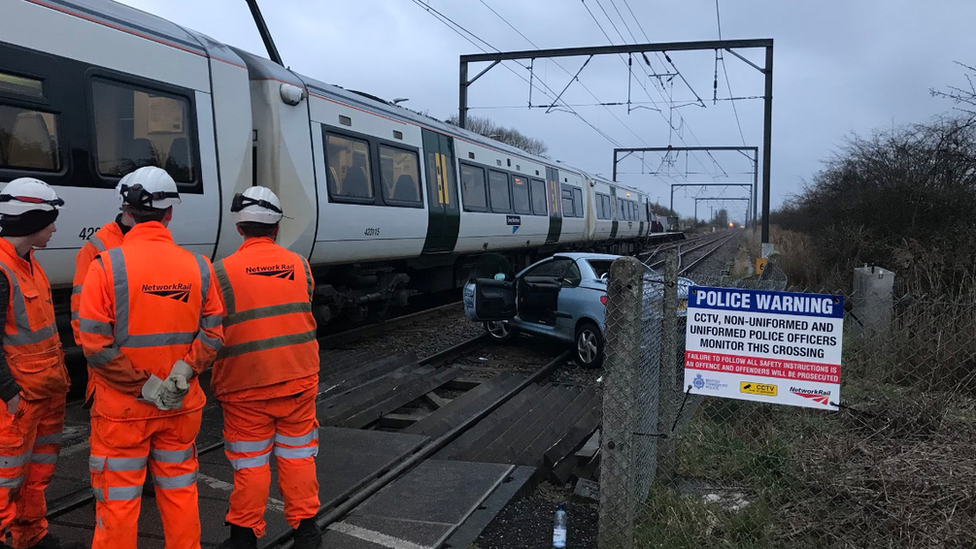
(29, 445)
(120, 451)
(251, 430)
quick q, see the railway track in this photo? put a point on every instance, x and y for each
(691, 253)
(334, 511)
(67, 503)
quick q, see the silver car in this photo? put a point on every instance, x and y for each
(563, 297)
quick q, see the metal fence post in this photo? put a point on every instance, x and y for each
(669, 388)
(622, 348)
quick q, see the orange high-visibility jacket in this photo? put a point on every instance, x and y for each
(30, 340)
(105, 238)
(145, 305)
(269, 330)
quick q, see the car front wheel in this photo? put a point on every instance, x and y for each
(500, 330)
(589, 345)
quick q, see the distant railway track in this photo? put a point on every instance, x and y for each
(692, 251)
(706, 251)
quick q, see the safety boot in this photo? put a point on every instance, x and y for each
(240, 538)
(51, 542)
(308, 535)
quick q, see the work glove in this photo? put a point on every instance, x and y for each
(174, 389)
(177, 385)
(152, 391)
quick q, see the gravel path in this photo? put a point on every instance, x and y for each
(527, 523)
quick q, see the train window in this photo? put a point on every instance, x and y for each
(400, 172)
(568, 209)
(539, 197)
(498, 192)
(136, 127)
(578, 201)
(603, 206)
(21, 85)
(29, 139)
(348, 168)
(520, 195)
(473, 188)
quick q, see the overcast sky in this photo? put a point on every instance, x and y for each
(840, 67)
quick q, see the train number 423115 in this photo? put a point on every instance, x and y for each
(372, 231)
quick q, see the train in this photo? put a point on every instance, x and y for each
(386, 203)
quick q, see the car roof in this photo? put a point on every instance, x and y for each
(582, 255)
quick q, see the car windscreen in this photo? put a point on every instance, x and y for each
(601, 267)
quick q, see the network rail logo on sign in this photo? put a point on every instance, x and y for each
(778, 347)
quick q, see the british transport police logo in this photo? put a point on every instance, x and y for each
(286, 272)
(176, 291)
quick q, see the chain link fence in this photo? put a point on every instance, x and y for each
(894, 466)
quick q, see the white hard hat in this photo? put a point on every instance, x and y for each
(256, 205)
(150, 187)
(27, 194)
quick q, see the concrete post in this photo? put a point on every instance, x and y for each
(872, 303)
(617, 440)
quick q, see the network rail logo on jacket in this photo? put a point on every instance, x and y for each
(177, 291)
(286, 272)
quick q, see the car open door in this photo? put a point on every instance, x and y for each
(487, 299)
(538, 298)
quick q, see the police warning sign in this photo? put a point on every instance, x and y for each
(777, 347)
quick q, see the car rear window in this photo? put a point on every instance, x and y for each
(600, 266)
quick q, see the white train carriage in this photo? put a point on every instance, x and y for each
(80, 106)
(381, 199)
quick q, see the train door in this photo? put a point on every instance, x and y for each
(642, 215)
(443, 213)
(613, 211)
(555, 209)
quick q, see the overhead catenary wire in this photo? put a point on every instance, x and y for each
(464, 33)
(728, 83)
(564, 69)
(683, 123)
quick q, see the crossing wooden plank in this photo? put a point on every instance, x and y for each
(535, 426)
(583, 428)
(490, 426)
(402, 395)
(493, 450)
(532, 452)
(336, 408)
(444, 419)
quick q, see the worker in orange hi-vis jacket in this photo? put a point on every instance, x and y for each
(105, 238)
(149, 323)
(33, 378)
(266, 375)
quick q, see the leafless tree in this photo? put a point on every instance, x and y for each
(963, 97)
(488, 128)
